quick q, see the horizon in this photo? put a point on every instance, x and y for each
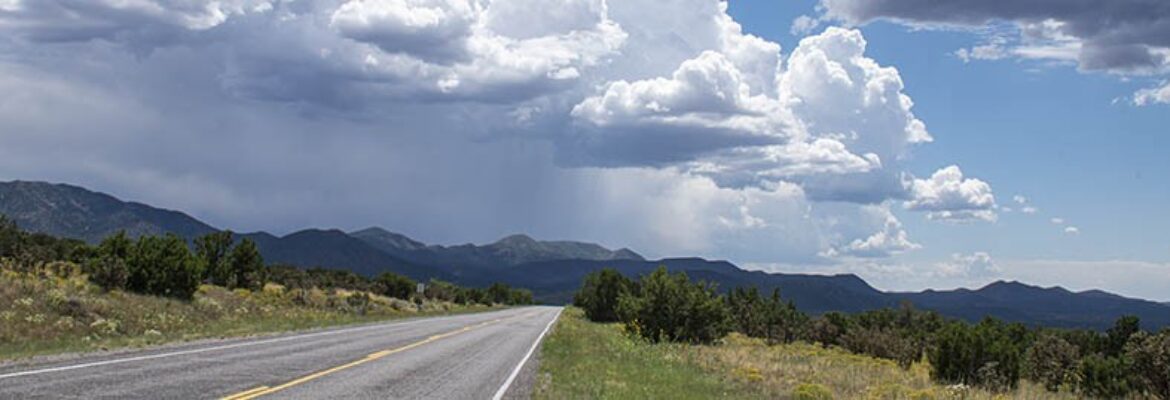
(913, 149)
(656, 259)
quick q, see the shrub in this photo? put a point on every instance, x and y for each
(600, 292)
(986, 354)
(1118, 335)
(441, 290)
(520, 297)
(10, 237)
(359, 302)
(749, 313)
(671, 308)
(1103, 377)
(1052, 362)
(163, 266)
(246, 266)
(394, 285)
(828, 329)
(108, 272)
(212, 250)
(882, 343)
(472, 296)
(812, 391)
(1150, 357)
(499, 293)
(769, 318)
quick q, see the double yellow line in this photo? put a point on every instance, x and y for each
(265, 390)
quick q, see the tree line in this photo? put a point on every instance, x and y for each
(169, 266)
(1123, 361)
(397, 286)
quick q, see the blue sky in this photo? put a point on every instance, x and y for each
(675, 128)
(1048, 132)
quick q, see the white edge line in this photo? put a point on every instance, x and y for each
(516, 371)
(207, 349)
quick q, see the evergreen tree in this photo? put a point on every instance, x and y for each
(163, 266)
(213, 250)
(247, 266)
(671, 308)
(599, 294)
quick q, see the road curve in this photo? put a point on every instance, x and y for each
(470, 356)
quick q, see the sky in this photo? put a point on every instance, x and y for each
(916, 143)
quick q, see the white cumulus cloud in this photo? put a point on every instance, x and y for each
(947, 195)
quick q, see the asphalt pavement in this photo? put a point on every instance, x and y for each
(468, 356)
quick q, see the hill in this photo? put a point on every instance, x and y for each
(509, 251)
(553, 269)
(335, 249)
(555, 281)
(77, 213)
(1055, 306)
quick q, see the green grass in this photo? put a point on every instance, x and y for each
(586, 360)
(46, 312)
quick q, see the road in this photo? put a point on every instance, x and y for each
(470, 356)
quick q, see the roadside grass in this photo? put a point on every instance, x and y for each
(56, 310)
(582, 359)
(799, 369)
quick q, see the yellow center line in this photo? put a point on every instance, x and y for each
(265, 390)
(245, 393)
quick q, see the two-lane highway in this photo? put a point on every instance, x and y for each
(470, 356)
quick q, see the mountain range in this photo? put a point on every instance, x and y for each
(553, 270)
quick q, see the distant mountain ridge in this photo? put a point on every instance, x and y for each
(1057, 306)
(554, 269)
(509, 251)
(74, 212)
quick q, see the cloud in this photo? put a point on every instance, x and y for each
(705, 106)
(838, 93)
(890, 240)
(1123, 35)
(794, 162)
(1025, 207)
(1057, 221)
(994, 50)
(368, 53)
(1153, 95)
(1072, 230)
(434, 31)
(657, 125)
(974, 265)
(838, 123)
(141, 25)
(803, 25)
(1147, 280)
(946, 195)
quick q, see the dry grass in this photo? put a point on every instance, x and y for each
(55, 309)
(581, 359)
(780, 371)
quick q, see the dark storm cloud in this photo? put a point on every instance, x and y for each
(1116, 35)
